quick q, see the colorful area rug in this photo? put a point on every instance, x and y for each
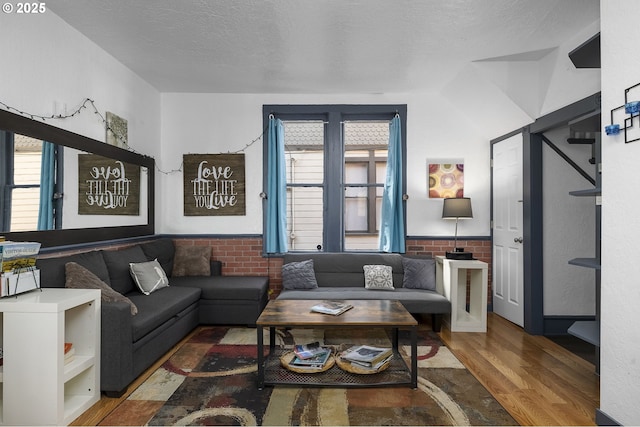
(211, 380)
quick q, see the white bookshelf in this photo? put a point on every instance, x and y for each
(38, 388)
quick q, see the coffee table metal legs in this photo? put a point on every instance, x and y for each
(414, 357)
(260, 357)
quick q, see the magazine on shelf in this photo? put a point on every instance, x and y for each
(366, 355)
(314, 362)
(307, 351)
(331, 307)
(18, 255)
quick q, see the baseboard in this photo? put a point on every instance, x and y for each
(603, 419)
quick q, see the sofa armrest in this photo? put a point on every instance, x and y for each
(116, 349)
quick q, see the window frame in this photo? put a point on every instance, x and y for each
(333, 115)
(7, 182)
(371, 163)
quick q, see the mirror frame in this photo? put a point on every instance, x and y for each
(70, 236)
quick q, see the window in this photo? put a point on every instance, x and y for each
(336, 165)
(19, 181)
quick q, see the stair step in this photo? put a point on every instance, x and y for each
(581, 140)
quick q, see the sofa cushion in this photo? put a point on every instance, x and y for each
(52, 270)
(118, 265)
(148, 276)
(419, 273)
(160, 307)
(232, 288)
(414, 300)
(299, 275)
(163, 250)
(192, 261)
(378, 277)
(78, 277)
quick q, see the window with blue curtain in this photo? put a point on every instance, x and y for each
(335, 161)
(30, 170)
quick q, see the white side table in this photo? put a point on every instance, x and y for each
(451, 277)
(38, 388)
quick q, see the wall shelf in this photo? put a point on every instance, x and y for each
(586, 330)
(587, 193)
(589, 330)
(586, 262)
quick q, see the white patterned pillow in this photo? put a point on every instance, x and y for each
(378, 277)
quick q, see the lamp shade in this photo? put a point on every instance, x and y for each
(459, 207)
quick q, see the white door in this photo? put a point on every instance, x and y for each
(507, 272)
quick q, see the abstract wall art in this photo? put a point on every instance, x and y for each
(445, 178)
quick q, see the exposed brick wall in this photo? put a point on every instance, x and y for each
(242, 256)
(481, 250)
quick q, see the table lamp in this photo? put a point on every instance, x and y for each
(458, 207)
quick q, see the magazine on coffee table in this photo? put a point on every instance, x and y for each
(314, 362)
(307, 351)
(331, 307)
(366, 355)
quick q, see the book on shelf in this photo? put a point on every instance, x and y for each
(331, 307)
(69, 352)
(313, 362)
(307, 351)
(366, 355)
(369, 366)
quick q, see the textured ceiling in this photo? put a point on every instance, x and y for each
(319, 46)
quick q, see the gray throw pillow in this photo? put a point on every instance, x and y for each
(419, 273)
(149, 276)
(299, 275)
(78, 277)
(378, 277)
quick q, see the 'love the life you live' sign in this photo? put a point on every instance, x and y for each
(214, 184)
(107, 186)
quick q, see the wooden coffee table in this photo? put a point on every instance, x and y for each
(386, 314)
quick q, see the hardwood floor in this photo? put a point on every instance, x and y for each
(536, 380)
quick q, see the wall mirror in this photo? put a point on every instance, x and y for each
(72, 229)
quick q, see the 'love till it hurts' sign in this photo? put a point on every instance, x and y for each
(107, 186)
(214, 184)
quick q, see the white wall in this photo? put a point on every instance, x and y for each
(46, 64)
(620, 333)
(214, 123)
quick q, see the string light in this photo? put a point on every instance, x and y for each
(77, 111)
(108, 128)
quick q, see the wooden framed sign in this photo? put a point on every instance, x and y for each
(214, 184)
(107, 186)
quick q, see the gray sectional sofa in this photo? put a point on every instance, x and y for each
(341, 276)
(130, 343)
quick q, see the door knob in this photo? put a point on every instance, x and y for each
(518, 240)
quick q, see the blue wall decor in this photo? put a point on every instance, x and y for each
(632, 109)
